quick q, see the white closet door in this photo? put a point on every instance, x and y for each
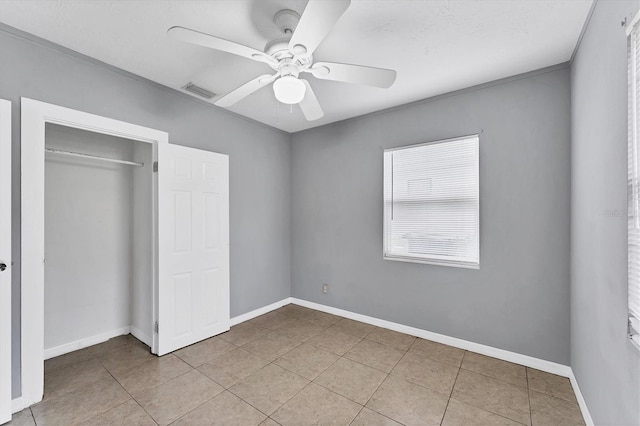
(5, 260)
(193, 246)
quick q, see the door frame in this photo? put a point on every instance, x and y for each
(34, 116)
(5, 255)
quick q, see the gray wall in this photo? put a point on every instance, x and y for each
(606, 365)
(331, 179)
(259, 158)
(519, 299)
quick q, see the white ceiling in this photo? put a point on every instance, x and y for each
(436, 46)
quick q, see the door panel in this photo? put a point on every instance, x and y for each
(193, 250)
(5, 258)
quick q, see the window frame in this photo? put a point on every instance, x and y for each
(633, 171)
(385, 227)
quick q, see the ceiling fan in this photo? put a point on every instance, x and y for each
(292, 54)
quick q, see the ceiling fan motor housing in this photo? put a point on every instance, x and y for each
(287, 21)
(290, 63)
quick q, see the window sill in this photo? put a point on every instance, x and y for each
(432, 262)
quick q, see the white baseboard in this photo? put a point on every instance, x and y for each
(83, 343)
(17, 404)
(581, 401)
(260, 311)
(140, 335)
(528, 361)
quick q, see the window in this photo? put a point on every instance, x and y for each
(431, 203)
(633, 161)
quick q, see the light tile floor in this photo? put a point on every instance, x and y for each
(297, 366)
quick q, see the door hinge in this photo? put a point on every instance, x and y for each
(155, 327)
(155, 166)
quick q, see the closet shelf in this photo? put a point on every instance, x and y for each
(94, 157)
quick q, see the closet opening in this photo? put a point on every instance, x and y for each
(121, 232)
(99, 245)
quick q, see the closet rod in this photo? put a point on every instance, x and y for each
(94, 157)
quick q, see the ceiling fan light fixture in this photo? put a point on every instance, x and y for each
(289, 90)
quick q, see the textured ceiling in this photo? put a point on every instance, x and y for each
(435, 46)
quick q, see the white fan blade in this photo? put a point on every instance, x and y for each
(217, 43)
(359, 74)
(309, 105)
(317, 20)
(245, 90)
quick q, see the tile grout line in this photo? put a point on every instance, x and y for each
(267, 364)
(415, 338)
(298, 343)
(271, 363)
(540, 391)
(495, 378)
(324, 329)
(528, 395)
(356, 416)
(339, 394)
(529, 390)
(71, 367)
(196, 369)
(293, 396)
(486, 375)
(378, 387)
(500, 380)
(503, 381)
(407, 351)
(195, 408)
(310, 381)
(247, 402)
(444, 413)
(130, 396)
(472, 405)
(281, 405)
(475, 406)
(414, 383)
(559, 399)
(118, 382)
(192, 368)
(366, 365)
(33, 417)
(490, 412)
(99, 361)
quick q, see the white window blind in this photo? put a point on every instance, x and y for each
(633, 157)
(431, 203)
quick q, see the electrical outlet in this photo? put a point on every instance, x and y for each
(325, 288)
